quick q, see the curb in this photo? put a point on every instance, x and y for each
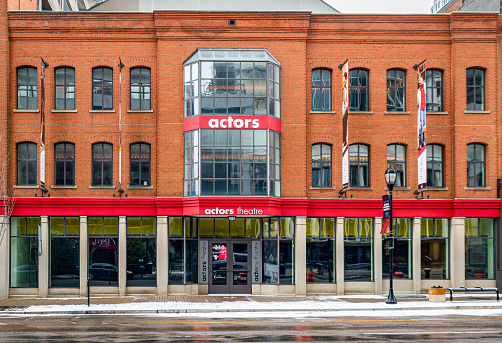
(189, 311)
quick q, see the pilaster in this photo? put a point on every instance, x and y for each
(122, 255)
(162, 255)
(43, 258)
(301, 255)
(340, 256)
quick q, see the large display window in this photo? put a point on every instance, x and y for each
(65, 252)
(141, 251)
(435, 249)
(358, 249)
(103, 250)
(320, 250)
(402, 249)
(479, 249)
(24, 251)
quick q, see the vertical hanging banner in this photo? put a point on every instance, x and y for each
(386, 214)
(345, 113)
(42, 123)
(421, 125)
(121, 65)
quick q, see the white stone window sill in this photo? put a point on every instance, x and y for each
(398, 112)
(322, 112)
(64, 111)
(27, 111)
(477, 188)
(399, 188)
(139, 111)
(139, 187)
(101, 187)
(357, 188)
(26, 186)
(360, 112)
(63, 187)
(101, 111)
(322, 188)
(437, 113)
(476, 112)
(437, 188)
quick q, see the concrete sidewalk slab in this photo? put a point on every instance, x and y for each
(184, 304)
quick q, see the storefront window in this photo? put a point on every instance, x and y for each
(321, 250)
(24, 251)
(141, 252)
(103, 250)
(479, 249)
(65, 252)
(176, 251)
(402, 250)
(278, 251)
(435, 259)
(358, 249)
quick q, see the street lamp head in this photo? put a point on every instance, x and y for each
(390, 178)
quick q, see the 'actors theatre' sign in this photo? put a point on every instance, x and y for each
(230, 211)
(231, 122)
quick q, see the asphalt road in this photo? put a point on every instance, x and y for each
(151, 328)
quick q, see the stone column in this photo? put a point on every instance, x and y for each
(43, 260)
(457, 252)
(301, 255)
(84, 256)
(416, 249)
(122, 255)
(340, 256)
(377, 265)
(162, 255)
(4, 257)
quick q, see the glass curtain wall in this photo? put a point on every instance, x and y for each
(65, 252)
(402, 249)
(141, 252)
(479, 249)
(103, 250)
(232, 162)
(435, 249)
(321, 250)
(24, 251)
(358, 249)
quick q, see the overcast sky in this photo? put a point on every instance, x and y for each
(382, 6)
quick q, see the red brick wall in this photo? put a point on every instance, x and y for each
(22, 5)
(301, 42)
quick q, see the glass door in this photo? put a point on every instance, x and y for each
(230, 268)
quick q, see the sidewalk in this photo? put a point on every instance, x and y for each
(200, 304)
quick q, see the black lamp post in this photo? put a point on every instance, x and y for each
(390, 179)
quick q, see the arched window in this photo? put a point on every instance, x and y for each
(27, 164)
(27, 88)
(434, 90)
(321, 90)
(321, 165)
(359, 165)
(64, 164)
(396, 159)
(396, 90)
(359, 89)
(140, 89)
(65, 89)
(434, 165)
(102, 164)
(140, 164)
(475, 89)
(476, 167)
(102, 89)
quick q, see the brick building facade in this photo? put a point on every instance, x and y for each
(306, 213)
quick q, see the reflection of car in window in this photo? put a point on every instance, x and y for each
(105, 271)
